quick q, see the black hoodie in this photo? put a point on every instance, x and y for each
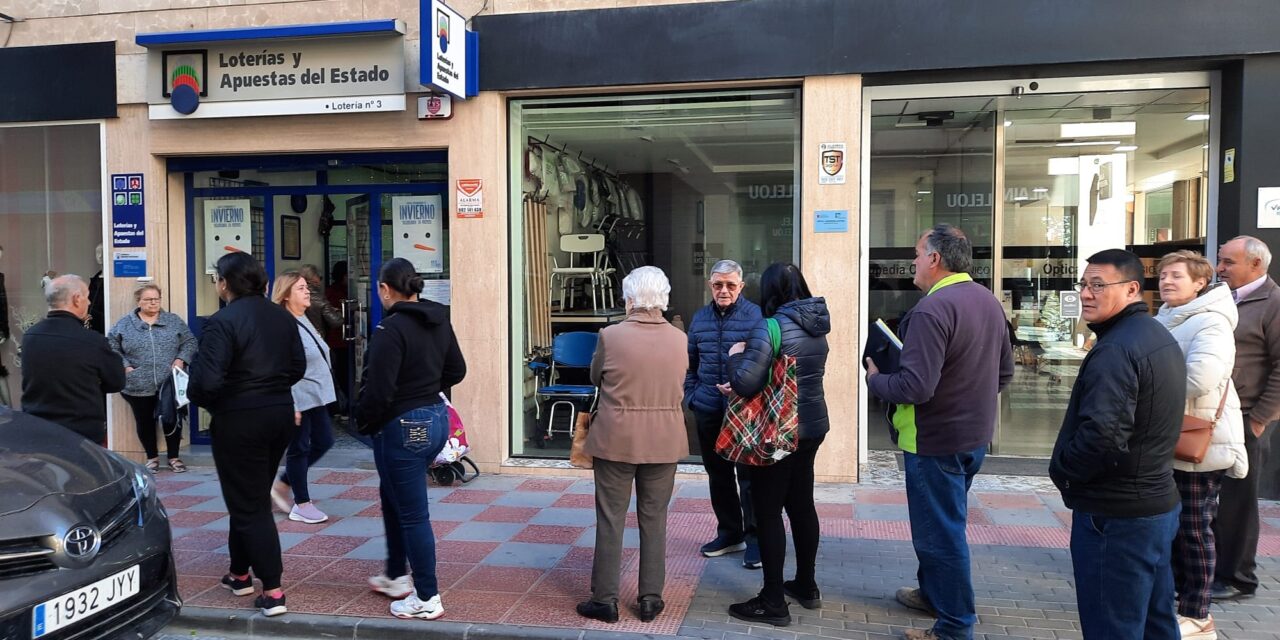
(805, 325)
(413, 355)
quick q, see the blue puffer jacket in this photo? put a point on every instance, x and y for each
(805, 325)
(711, 333)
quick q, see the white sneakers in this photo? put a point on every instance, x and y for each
(398, 588)
(307, 513)
(412, 607)
(1194, 628)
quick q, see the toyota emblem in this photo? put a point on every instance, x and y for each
(81, 542)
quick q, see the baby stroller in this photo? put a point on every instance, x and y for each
(451, 463)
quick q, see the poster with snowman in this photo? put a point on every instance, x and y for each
(418, 226)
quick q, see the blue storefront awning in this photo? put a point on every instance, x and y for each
(330, 29)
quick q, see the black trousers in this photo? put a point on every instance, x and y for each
(144, 413)
(731, 502)
(1236, 528)
(787, 484)
(247, 448)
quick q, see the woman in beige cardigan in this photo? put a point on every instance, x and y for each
(636, 437)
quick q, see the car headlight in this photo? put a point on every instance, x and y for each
(144, 488)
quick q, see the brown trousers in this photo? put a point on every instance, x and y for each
(654, 484)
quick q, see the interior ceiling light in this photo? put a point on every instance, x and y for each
(1040, 190)
(1098, 129)
(1090, 143)
(923, 193)
(1064, 166)
(1021, 198)
(1127, 147)
(1159, 180)
(1008, 123)
(1195, 117)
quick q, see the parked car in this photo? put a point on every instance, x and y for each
(84, 541)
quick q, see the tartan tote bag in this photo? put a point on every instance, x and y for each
(762, 430)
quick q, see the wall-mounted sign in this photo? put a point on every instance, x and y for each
(228, 228)
(1269, 208)
(1229, 165)
(417, 223)
(446, 66)
(128, 264)
(435, 106)
(282, 76)
(128, 214)
(831, 221)
(470, 198)
(1069, 302)
(833, 165)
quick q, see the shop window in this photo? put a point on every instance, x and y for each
(50, 224)
(606, 184)
(1039, 183)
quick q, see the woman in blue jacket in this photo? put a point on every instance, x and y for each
(805, 323)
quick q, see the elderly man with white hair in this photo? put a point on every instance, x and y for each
(67, 369)
(636, 437)
(1242, 264)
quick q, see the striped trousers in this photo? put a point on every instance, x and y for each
(1193, 549)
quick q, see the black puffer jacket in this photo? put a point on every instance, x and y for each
(1114, 455)
(805, 325)
(413, 355)
(711, 332)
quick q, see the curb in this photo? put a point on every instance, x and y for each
(204, 621)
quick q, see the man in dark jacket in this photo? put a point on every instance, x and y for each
(955, 361)
(67, 370)
(1113, 461)
(726, 321)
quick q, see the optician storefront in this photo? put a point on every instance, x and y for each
(677, 135)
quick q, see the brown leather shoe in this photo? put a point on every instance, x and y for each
(914, 599)
(919, 634)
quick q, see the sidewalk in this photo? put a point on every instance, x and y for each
(515, 557)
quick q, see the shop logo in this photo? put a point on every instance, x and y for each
(184, 76)
(1272, 207)
(832, 161)
(442, 30)
(434, 105)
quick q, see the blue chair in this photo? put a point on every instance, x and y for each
(571, 350)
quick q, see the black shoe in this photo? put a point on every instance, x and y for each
(602, 611)
(722, 545)
(1228, 593)
(809, 598)
(237, 586)
(757, 610)
(270, 606)
(649, 609)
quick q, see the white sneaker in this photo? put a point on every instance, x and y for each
(307, 513)
(398, 588)
(1197, 629)
(412, 607)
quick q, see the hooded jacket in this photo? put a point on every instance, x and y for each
(67, 370)
(805, 325)
(1204, 329)
(150, 349)
(250, 357)
(711, 332)
(1114, 454)
(413, 355)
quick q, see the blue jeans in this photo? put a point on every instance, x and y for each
(937, 500)
(403, 451)
(313, 438)
(1124, 585)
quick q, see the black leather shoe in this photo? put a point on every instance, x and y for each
(757, 610)
(807, 597)
(602, 611)
(1228, 593)
(649, 609)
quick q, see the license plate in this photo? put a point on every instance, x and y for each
(70, 608)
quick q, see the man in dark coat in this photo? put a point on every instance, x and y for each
(67, 369)
(1113, 461)
(727, 320)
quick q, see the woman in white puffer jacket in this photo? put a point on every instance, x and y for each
(1202, 318)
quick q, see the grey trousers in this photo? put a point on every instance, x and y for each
(654, 484)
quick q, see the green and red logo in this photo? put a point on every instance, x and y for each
(184, 79)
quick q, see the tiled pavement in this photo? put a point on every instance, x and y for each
(516, 550)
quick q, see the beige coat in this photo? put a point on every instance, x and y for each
(639, 366)
(1257, 370)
